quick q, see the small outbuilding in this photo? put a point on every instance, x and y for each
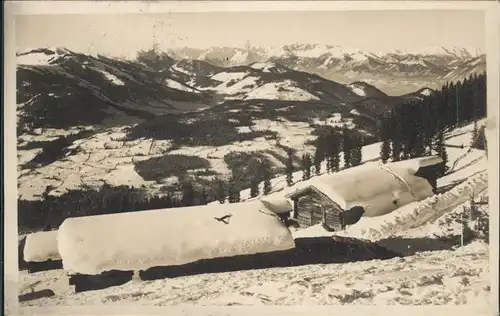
(374, 189)
(39, 252)
(141, 240)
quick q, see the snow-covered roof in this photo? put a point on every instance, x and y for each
(141, 240)
(41, 246)
(378, 188)
(415, 164)
(278, 206)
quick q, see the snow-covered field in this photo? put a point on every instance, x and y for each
(107, 158)
(434, 272)
(103, 158)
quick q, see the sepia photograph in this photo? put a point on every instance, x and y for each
(253, 158)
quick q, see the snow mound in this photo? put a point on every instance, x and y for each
(41, 246)
(378, 189)
(141, 240)
(451, 223)
(412, 165)
(278, 206)
(419, 213)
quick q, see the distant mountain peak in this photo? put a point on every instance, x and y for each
(42, 56)
(455, 51)
(49, 50)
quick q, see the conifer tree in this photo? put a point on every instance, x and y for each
(203, 196)
(168, 201)
(335, 160)
(334, 154)
(220, 191)
(441, 152)
(328, 164)
(289, 168)
(385, 150)
(474, 134)
(418, 149)
(254, 187)
(233, 191)
(267, 183)
(346, 147)
(356, 151)
(385, 147)
(318, 159)
(306, 166)
(188, 194)
(396, 148)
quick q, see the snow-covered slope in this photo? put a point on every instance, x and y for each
(429, 278)
(266, 81)
(434, 272)
(60, 88)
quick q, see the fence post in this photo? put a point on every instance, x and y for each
(462, 230)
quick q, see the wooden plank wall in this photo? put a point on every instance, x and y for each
(332, 219)
(310, 210)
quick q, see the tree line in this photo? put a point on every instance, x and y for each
(328, 146)
(49, 212)
(417, 128)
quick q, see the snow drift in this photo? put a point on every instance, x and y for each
(278, 206)
(141, 240)
(378, 188)
(41, 246)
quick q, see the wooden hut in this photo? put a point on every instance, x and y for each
(103, 250)
(38, 252)
(340, 199)
(311, 207)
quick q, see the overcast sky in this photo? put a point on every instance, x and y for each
(374, 31)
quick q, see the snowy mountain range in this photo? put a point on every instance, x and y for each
(397, 72)
(71, 88)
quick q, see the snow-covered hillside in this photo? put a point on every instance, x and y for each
(435, 270)
(266, 81)
(448, 277)
(60, 88)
